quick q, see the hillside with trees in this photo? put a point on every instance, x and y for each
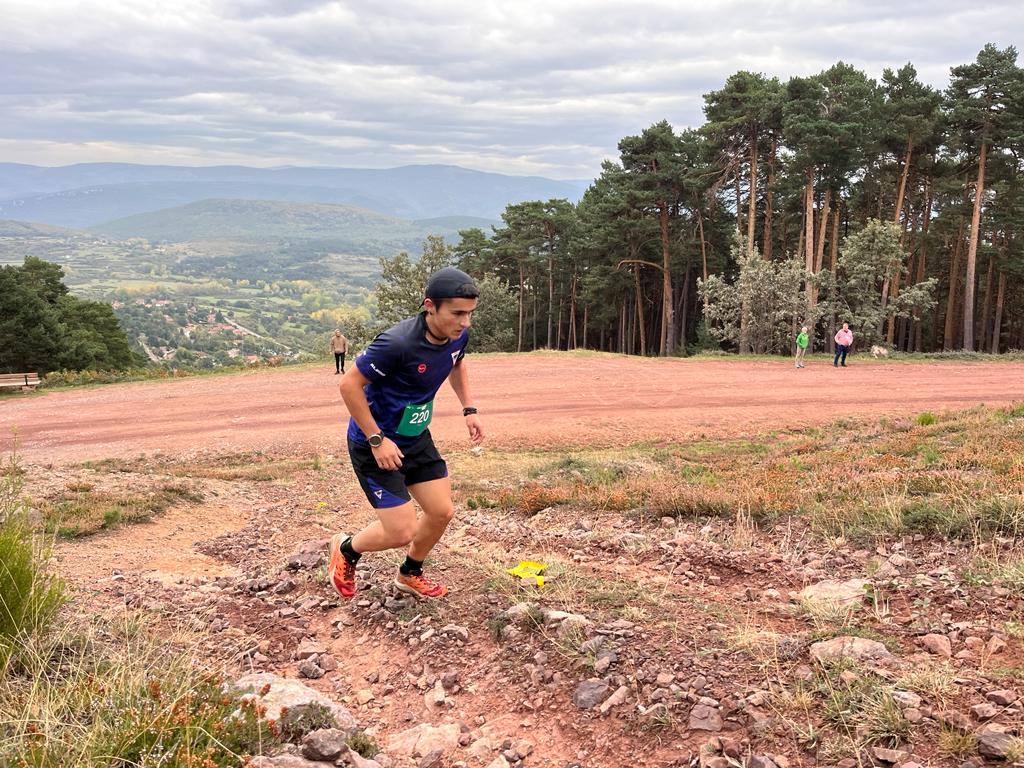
(820, 200)
(44, 328)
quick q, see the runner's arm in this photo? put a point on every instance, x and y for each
(459, 379)
(388, 455)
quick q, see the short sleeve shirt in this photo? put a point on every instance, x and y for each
(404, 369)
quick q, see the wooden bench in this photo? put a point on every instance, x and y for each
(19, 380)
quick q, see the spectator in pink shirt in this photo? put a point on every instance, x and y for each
(844, 340)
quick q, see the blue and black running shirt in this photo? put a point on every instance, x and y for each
(405, 371)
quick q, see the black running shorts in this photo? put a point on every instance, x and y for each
(390, 488)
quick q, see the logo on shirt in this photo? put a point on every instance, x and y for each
(378, 494)
(421, 368)
(455, 357)
(378, 370)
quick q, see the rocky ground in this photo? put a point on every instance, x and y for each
(654, 641)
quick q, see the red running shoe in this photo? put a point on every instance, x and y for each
(419, 586)
(340, 572)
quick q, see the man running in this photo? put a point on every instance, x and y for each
(390, 395)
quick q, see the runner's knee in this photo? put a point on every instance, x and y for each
(443, 514)
(401, 534)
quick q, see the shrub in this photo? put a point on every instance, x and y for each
(29, 596)
(118, 693)
(926, 418)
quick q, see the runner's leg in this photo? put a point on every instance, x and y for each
(394, 528)
(435, 499)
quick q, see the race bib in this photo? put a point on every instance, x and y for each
(415, 419)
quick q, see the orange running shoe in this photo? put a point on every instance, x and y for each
(340, 572)
(419, 586)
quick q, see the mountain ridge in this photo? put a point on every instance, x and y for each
(89, 194)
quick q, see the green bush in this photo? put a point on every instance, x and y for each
(29, 596)
(96, 692)
(926, 418)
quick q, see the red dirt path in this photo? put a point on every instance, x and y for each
(538, 399)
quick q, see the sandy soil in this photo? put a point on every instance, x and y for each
(537, 399)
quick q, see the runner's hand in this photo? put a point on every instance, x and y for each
(388, 455)
(476, 429)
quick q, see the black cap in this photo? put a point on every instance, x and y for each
(451, 283)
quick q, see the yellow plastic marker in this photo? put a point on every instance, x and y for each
(529, 569)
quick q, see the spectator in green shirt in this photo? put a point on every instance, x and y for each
(801, 347)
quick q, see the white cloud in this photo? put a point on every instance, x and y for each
(528, 87)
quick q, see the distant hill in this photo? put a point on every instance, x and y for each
(455, 223)
(256, 221)
(89, 194)
(31, 229)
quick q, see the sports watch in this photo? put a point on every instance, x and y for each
(375, 441)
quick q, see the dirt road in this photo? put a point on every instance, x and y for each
(535, 399)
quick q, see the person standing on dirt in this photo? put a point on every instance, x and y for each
(801, 347)
(339, 346)
(390, 394)
(844, 340)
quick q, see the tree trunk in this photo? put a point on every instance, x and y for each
(519, 339)
(640, 311)
(997, 326)
(739, 208)
(668, 327)
(752, 195)
(972, 250)
(819, 256)
(986, 308)
(551, 297)
(948, 336)
(703, 252)
(895, 291)
(766, 236)
(558, 332)
(903, 181)
(686, 306)
(535, 313)
(922, 257)
(833, 256)
(809, 237)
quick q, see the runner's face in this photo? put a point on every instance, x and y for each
(452, 317)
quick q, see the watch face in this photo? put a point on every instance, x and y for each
(375, 440)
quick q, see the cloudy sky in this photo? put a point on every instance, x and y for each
(516, 86)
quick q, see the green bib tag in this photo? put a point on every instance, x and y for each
(415, 419)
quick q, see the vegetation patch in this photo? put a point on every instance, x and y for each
(87, 511)
(961, 477)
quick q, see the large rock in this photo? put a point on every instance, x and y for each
(424, 739)
(283, 761)
(279, 694)
(304, 561)
(937, 644)
(1003, 697)
(590, 693)
(308, 649)
(848, 647)
(617, 698)
(850, 592)
(358, 761)
(705, 718)
(994, 742)
(326, 744)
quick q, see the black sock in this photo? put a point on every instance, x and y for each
(350, 554)
(411, 567)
